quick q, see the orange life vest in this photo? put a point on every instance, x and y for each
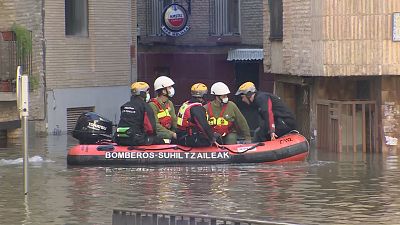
(163, 115)
(219, 124)
(183, 117)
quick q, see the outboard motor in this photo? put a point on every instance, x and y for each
(92, 128)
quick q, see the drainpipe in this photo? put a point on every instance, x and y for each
(44, 63)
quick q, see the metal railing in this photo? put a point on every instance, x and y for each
(10, 57)
(347, 125)
(143, 217)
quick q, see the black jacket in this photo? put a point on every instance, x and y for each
(199, 118)
(138, 115)
(271, 109)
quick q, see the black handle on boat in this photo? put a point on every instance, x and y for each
(236, 152)
(175, 147)
(105, 148)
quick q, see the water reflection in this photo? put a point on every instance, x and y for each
(328, 189)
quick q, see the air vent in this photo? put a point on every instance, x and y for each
(73, 115)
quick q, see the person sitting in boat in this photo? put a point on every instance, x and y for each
(163, 108)
(225, 117)
(193, 128)
(137, 124)
(277, 118)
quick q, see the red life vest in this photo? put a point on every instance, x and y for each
(219, 124)
(183, 117)
(163, 115)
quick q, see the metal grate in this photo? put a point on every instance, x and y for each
(224, 17)
(156, 8)
(73, 115)
(347, 126)
(143, 217)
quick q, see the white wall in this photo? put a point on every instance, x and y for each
(106, 100)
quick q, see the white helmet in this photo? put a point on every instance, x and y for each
(219, 88)
(163, 82)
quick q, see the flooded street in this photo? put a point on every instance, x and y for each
(327, 189)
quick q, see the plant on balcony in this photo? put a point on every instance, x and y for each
(24, 51)
(24, 42)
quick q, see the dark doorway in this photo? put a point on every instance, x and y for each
(247, 72)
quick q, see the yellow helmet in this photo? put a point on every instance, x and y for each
(198, 90)
(139, 87)
(245, 88)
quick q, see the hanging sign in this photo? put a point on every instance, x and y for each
(174, 20)
(396, 26)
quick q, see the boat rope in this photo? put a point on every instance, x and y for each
(241, 152)
(175, 147)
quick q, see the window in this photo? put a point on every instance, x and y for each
(76, 17)
(276, 19)
(156, 10)
(224, 17)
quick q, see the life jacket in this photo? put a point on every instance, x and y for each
(163, 115)
(183, 117)
(219, 124)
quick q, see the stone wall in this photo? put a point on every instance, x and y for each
(251, 22)
(266, 41)
(390, 110)
(26, 13)
(297, 44)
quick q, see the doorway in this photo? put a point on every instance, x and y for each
(248, 71)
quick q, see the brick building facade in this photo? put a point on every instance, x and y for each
(83, 57)
(221, 33)
(340, 62)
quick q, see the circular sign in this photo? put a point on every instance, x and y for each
(174, 20)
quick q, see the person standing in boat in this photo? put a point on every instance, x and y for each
(225, 117)
(137, 125)
(163, 108)
(193, 128)
(277, 118)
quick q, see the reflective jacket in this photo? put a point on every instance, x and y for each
(163, 115)
(192, 120)
(184, 117)
(229, 120)
(219, 124)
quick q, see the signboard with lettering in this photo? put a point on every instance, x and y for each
(167, 155)
(396, 26)
(174, 22)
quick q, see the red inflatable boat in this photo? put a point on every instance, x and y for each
(291, 147)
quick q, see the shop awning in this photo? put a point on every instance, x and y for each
(245, 54)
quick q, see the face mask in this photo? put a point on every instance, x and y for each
(147, 97)
(225, 100)
(171, 92)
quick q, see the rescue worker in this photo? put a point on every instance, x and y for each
(276, 117)
(137, 125)
(225, 117)
(163, 108)
(193, 128)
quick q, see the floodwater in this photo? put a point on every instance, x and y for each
(326, 189)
